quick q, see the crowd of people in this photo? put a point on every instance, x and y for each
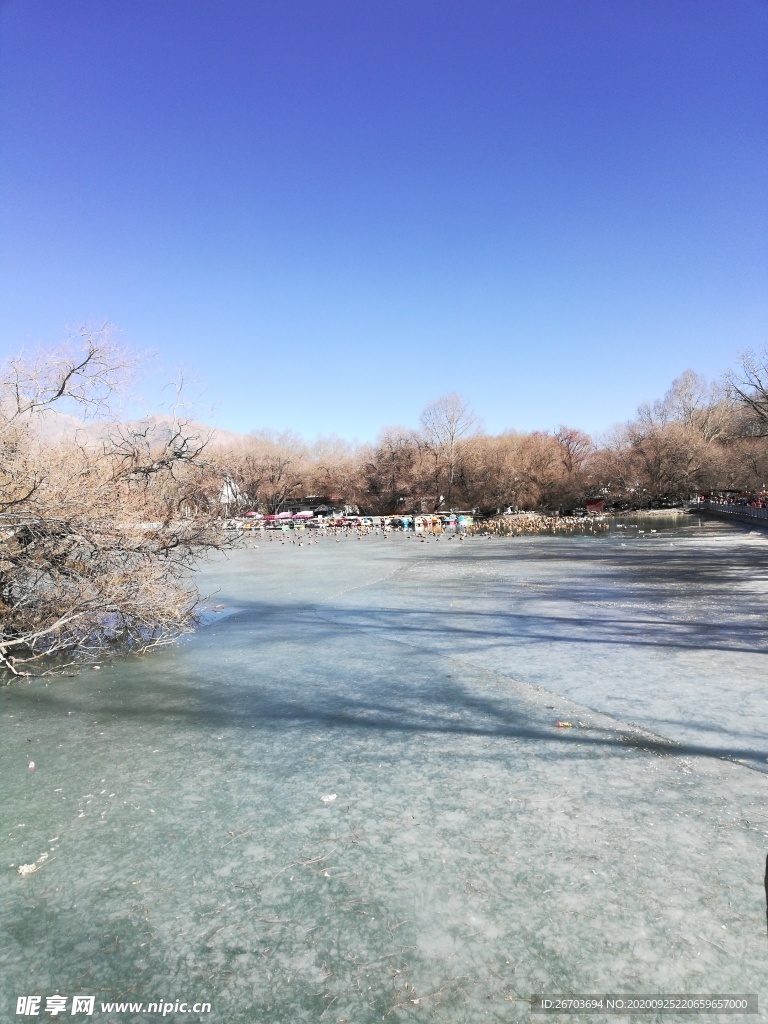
(757, 500)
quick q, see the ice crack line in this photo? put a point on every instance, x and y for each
(532, 693)
(373, 583)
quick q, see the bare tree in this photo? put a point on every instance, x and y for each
(700, 406)
(445, 423)
(672, 461)
(749, 386)
(575, 448)
(336, 467)
(85, 373)
(267, 467)
(391, 472)
(97, 541)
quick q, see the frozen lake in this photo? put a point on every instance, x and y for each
(474, 853)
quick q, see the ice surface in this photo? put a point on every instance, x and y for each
(668, 631)
(474, 854)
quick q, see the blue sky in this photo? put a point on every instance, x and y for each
(332, 212)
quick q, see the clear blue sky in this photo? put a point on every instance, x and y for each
(332, 211)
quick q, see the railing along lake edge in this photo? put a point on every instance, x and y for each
(745, 513)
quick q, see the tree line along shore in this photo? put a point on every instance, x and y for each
(700, 438)
(101, 527)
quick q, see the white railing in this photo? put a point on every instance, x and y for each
(736, 510)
